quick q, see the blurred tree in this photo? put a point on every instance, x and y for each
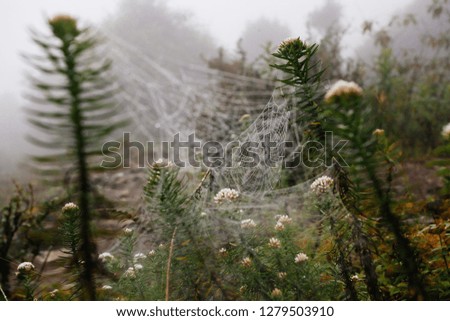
(410, 76)
(160, 32)
(259, 33)
(325, 24)
(326, 17)
(76, 113)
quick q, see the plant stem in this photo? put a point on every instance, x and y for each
(3, 293)
(360, 240)
(169, 261)
(87, 247)
(406, 253)
(343, 263)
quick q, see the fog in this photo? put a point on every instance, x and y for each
(207, 25)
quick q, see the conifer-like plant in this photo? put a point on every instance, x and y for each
(371, 169)
(169, 202)
(76, 112)
(71, 237)
(302, 74)
(14, 216)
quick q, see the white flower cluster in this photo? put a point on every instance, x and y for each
(286, 42)
(276, 293)
(223, 252)
(446, 131)
(279, 226)
(70, 207)
(246, 262)
(105, 257)
(322, 184)
(341, 88)
(248, 223)
(53, 293)
(25, 267)
(226, 194)
(284, 219)
(139, 256)
(274, 243)
(127, 231)
(130, 273)
(151, 253)
(301, 257)
(354, 278)
(378, 132)
(163, 163)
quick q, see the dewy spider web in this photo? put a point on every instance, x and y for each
(164, 101)
(165, 97)
(266, 135)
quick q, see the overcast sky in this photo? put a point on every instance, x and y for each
(225, 20)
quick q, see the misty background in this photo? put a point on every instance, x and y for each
(190, 31)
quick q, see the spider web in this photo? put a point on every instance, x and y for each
(165, 97)
(267, 134)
